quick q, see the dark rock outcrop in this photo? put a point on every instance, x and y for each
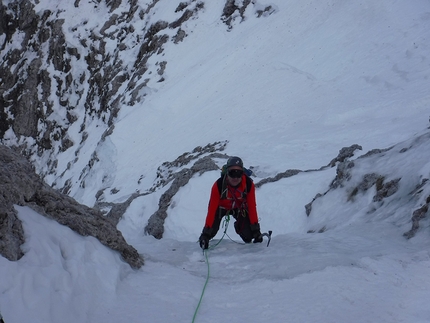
(417, 216)
(420, 213)
(407, 184)
(236, 10)
(179, 178)
(19, 185)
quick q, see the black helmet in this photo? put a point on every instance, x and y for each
(234, 161)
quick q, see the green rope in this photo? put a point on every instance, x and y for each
(224, 225)
(204, 287)
(205, 252)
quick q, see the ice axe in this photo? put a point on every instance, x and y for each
(268, 235)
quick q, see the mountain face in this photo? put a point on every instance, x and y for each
(66, 75)
(70, 69)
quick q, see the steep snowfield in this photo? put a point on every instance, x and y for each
(287, 91)
(311, 75)
(323, 75)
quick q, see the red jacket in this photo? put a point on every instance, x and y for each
(234, 200)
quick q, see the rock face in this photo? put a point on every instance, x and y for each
(21, 186)
(64, 78)
(17, 185)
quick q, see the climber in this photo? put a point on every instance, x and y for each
(232, 194)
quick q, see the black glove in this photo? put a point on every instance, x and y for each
(204, 241)
(256, 234)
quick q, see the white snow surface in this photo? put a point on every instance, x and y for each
(287, 91)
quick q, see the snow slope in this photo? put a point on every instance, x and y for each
(312, 75)
(287, 91)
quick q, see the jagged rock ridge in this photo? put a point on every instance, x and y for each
(393, 188)
(19, 185)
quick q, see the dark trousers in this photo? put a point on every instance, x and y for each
(242, 225)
